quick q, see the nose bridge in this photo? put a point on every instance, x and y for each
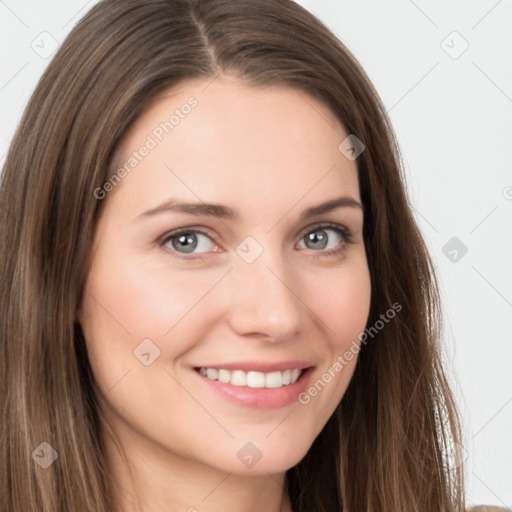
(263, 301)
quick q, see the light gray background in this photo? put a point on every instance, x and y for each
(452, 112)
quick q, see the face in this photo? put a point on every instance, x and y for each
(264, 290)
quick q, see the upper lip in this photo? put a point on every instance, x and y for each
(260, 366)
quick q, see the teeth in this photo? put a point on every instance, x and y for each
(211, 373)
(224, 376)
(294, 375)
(270, 380)
(238, 378)
(274, 380)
(255, 379)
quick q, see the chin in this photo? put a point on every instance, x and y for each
(264, 457)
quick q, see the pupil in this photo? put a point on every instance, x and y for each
(188, 242)
(315, 238)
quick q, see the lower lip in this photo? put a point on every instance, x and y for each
(260, 398)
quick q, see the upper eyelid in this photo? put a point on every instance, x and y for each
(326, 224)
(207, 232)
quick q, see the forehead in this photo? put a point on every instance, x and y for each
(224, 140)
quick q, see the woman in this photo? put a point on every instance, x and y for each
(214, 293)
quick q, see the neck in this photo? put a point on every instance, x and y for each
(151, 479)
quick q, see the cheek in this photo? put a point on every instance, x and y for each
(342, 304)
(146, 300)
(126, 304)
(342, 307)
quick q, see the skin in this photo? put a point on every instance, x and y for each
(269, 153)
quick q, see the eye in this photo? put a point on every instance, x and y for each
(188, 241)
(326, 239)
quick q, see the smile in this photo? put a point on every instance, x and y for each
(252, 379)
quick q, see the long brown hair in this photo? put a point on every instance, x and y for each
(388, 446)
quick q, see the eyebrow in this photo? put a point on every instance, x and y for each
(225, 212)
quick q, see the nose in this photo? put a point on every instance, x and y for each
(262, 301)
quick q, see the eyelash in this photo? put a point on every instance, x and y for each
(345, 234)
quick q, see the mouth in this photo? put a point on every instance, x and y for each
(251, 387)
(252, 379)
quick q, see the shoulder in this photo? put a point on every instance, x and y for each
(487, 508)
